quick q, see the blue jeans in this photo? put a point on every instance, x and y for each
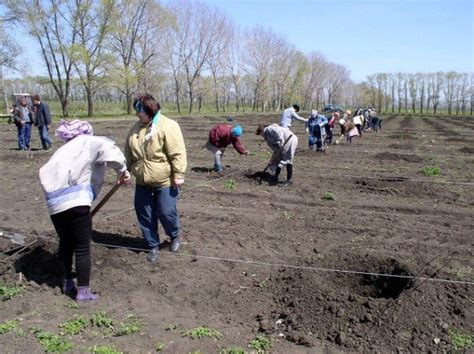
(152, 204)
(44, 137)
(24, 136)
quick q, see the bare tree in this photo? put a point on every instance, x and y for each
(54, 24)
(91, 56)
(8, 54)
(421, 79)
(126, 23)
(449, 91)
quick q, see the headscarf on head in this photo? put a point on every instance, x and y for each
(314, 113)
(69, 130)
(336, 114)
(236, 131)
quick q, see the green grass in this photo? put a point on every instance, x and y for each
(230, 184)
(52, 342)
(328, 196)
(8, 292)
(288, 215)
(261, 344)
(430, 171)
(8, 326)
(460, 340)
(202, 332)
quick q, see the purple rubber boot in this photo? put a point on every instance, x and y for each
(84, 294)
(68, 286)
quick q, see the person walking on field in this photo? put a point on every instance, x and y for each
(283, 144)
(156, 156)
(220, 137)
(71, 180)
(342, 124)
(23, 119)
(289, 115)
(42, 121)
(358, 122)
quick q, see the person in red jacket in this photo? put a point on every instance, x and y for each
(330, 126)
(220, 137)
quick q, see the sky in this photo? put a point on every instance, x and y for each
(367, 36)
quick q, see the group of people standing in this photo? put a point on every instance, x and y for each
(25, 116)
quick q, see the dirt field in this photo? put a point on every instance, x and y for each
(381, 216)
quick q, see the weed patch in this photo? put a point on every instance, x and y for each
(202, 332)
(104, 349)
(131, 326)
(328, 196)
(52, 342)
(74, 326)
(8, 292)
(430, 171)
(7, 326)
(160, 346)
(260, 343)
(230, 184)
(460, 340)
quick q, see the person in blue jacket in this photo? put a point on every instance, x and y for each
(315, 127)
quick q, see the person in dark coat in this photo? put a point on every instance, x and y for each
(220, 137)
(42, 121)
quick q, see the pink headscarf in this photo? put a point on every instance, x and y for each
(69, 130)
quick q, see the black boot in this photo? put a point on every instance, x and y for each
(274, 179)
(289, 176)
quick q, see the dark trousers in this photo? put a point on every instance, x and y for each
(74, 228)
(44, 136)
(359, 129)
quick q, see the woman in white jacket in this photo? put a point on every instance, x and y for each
(71, 180)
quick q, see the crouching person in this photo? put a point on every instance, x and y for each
(71, 180)
(156, 156)
(283, 143)
(221, 136)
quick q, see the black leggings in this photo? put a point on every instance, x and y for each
(74, 227)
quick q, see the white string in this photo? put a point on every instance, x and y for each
(334, 270)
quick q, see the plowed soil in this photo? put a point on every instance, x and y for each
(300, 265)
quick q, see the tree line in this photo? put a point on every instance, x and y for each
(420, 92)
(190, 54)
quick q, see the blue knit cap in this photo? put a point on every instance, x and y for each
(236, 131)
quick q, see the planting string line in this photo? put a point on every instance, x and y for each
(205, 184)
(282, 265)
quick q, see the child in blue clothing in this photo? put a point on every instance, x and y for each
(315, 127)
